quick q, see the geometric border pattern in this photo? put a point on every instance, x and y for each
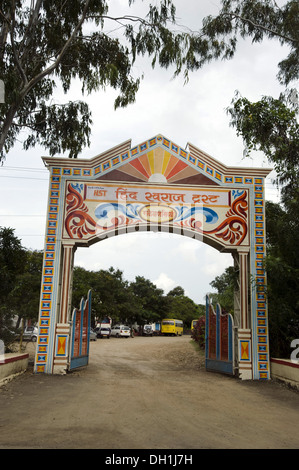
(47, 289)
(261, 329)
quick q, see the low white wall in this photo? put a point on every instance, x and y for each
(286, 370)
(12, 364)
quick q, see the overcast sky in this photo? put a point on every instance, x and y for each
(193, 113)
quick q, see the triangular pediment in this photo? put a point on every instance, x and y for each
(157, 160)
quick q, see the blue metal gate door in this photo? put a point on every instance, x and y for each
(219, 340)
(80, 333)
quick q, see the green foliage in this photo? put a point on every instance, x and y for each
(23, 299)
(270, 125)
(20, 279)
(282, 266)
(110, 293)
(140, 301)
(199, 332)
(12, 258)
(151, 300)
(181, 306)
(225, 285)
(47, 42)
(256, 20)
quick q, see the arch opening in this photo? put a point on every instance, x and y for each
(149, 253)
(154, 228)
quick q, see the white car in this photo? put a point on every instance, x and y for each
(92, 335)
(120, 330)
(30, 333)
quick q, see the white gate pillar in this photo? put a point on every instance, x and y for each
(62, 331)
(244, 331)
(66, 282)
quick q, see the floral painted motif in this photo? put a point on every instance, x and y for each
(234, 228)
(78, 222)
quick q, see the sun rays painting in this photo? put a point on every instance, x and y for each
(159, 164)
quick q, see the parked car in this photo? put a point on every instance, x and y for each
(120, 330)
(30, 333)
(103, 332)
(147, 330)
(92, 335)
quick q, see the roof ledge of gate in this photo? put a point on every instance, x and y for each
(204, 163)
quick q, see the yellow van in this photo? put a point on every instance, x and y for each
(171, 326)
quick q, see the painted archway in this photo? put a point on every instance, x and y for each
(156, 185)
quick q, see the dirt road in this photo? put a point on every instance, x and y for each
(146, 393)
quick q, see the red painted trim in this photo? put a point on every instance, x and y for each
(285, 363)
(14, 359)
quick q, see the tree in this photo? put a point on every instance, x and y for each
(110, 293)
(50, 42)
(271, 126)
(12, 259)
(257, 20)
(152, 301)
(24, 297)
(225, 285)
(46, 42)
(178, 290)
(181, 306)
(282, 266)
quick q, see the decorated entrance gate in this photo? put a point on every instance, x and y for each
(158, 186)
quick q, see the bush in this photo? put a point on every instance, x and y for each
(198, 333)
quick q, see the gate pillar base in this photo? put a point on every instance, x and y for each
(61, 352)
(245, 357)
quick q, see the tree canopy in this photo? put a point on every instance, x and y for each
(225, 285)
(271, 126)
(20, 278)
(282, 266)
(44, 43)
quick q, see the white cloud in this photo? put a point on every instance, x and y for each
(189, 250)
(164, 282)
(214, 263)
